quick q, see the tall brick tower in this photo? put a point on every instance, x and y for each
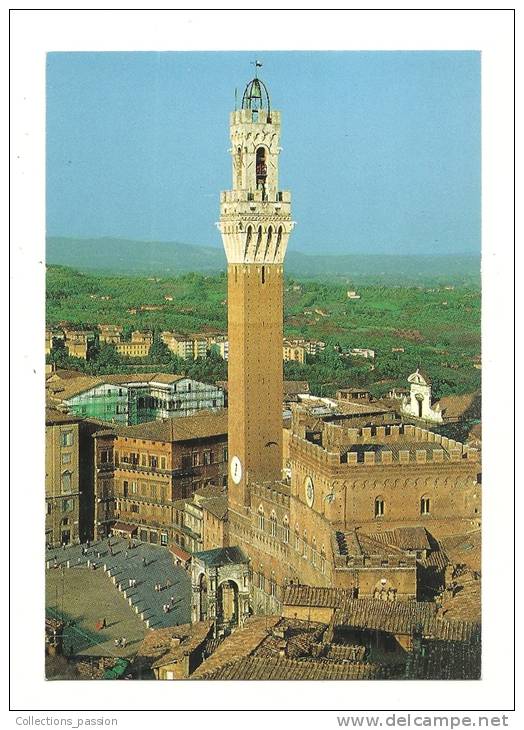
(255, 222)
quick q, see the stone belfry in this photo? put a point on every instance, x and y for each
(255, 222)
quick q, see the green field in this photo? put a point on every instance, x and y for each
(437, 326)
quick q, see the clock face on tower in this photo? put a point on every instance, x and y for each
(236, 469)
(310, 491)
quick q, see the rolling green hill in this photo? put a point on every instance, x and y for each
(138, 258)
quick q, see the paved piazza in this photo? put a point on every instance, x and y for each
(84, 595)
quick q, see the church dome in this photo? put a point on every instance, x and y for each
(256, 96)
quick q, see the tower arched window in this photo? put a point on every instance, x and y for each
(304, 545)
(297, 538)
(314, 551)
(322, 559)
(379, 506)
(268, 242)
(238, 167)
(259, 241)
(273, 524)
(425, 505)
(261, 167)
(261, 518)
(249, 236)
(279, 240)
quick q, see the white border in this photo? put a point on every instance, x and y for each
(33, 33)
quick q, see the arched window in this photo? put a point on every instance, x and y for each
(322, 559)
(261, 518)
(259, 241)
(285, 535)
(273, 524)
(268, 241)
(304, 546)
(249, 235)
(279, 241)
(66, 482)
(314, 551)
(273, 585)
(238, 167)
(297, 538)
(425, 505)
(379, 506)
(261, 167)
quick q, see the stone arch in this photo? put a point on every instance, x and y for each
(228, 601)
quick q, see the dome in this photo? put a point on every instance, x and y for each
(256, 96)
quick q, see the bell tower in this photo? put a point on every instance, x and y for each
(255, 223)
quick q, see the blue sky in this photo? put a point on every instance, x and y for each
(381, 150)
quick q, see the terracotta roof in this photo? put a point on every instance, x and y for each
(69, 387)
(355, 543)
(282, 668)
(464, 549)
(54, 416)
(301, 595)
(204, 424)
(217, 506)
(222, 556)
(142, 378)
(396, 617)
(179, 552)
(404, 538)
(159, 645)
(239, 644)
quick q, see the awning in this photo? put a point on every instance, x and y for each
(126, 529)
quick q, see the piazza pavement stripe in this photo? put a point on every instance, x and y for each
(158, 569)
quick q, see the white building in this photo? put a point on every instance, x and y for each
(418, 403)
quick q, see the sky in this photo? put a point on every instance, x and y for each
(380, 150)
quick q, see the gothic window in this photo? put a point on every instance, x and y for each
(304, 546)
(297, 538)
(261, 518)
(314, 552)
(322, 559)
(379, 507)
(273, 524)
(286, 530)
(424, 505)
